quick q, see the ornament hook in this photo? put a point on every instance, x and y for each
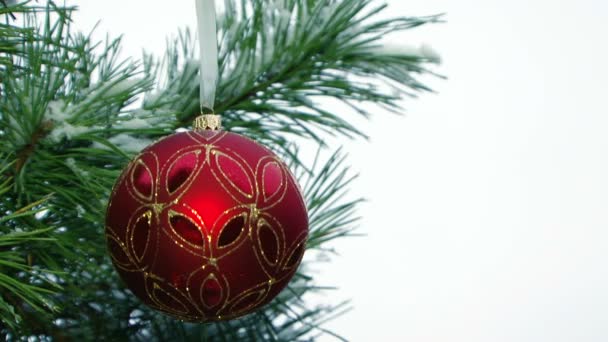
(207, 122)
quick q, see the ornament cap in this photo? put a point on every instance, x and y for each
(210, 122)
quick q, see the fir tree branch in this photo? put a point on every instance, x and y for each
(25, 286)
(272, 80)
(70, 119)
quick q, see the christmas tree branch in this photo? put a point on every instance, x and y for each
(71, 116)
(21, 262)
(272, 79)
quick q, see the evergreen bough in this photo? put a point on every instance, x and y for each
(72, 114)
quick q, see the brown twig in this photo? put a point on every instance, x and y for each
(27, 150)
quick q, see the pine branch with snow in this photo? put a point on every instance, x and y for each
(72, 114)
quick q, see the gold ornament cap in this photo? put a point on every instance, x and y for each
(207, 122)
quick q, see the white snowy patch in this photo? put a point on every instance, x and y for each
(55, 111)
(391, 48)
(71, 162)
(135, 123)
(58, 113)
(422, 50)
(80, 209)
(128, 143)
(153, 97)
(122, 86)
(430, 53)
(41, 214)
(66, 130)
(278, 7)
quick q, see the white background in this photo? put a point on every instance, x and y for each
(488, 201)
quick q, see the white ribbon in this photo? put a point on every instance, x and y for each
(207, 36)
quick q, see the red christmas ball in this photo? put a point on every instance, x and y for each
(206, 225)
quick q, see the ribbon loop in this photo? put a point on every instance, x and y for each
(207, 36)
